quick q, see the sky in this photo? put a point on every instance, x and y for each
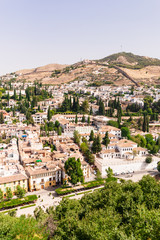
(38, 32)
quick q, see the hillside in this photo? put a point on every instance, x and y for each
(108, 70)
(129, 60)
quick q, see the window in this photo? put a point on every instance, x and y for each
(23, 181)
(50, 179)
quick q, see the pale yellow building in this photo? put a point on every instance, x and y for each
(12, 182)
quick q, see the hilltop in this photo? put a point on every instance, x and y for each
(112, 69)
(129, 60)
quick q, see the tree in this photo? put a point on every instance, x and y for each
(9, 194)
(113, 123)
(91, 137)
(88, 120)
(77, 137)
(145, 126)
(59, 131)
(85, 106)
(73, 170)
(125, 132)
(1, 195)
(96, 146)
(91, 111)
(20, 96)
(15, 96)
(101, 110)
(98, 175)
(20, 192)
(148, 159)
(109, 172)
(106, 140)
(83, 119)
(76, 119)
(1, 118)
(49, 114)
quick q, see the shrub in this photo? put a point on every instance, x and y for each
(148, 159)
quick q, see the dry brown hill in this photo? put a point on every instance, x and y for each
(99, 72)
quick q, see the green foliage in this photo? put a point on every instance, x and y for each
(73, 170)
(91, 137)
(125, 132)
(1, 195)
(9, 194)
(87, 185)
(109, 172)
(76, 137)
(113, 123)
(96, 146)
(148, 159)
(17, 202)
(20, 192)
(106, 140)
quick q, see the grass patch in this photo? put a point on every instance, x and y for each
(10, 210)
(31, 205)
(84, 192)
(69, 196)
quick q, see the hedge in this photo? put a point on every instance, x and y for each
(87, 185)
(17, 202)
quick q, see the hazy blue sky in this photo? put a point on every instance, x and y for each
(38, 32)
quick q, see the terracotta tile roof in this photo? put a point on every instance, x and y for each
(12, 178)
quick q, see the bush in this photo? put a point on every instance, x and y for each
(148, 159)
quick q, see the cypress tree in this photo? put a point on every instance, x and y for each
(91, 137)
(83, 119)
(49, 115)
(1, 118)
(91, 111)
(106, 140)
(101, 108)
(88, 120)
(20, 96)
(76, 119)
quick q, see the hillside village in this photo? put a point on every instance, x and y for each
(42, 126)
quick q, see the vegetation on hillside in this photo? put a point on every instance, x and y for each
(140, 61)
